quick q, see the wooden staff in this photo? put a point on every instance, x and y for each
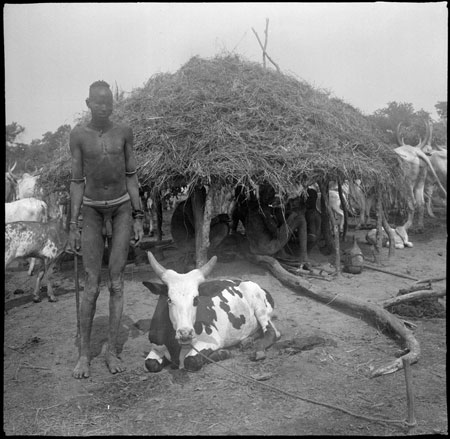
(77, 293)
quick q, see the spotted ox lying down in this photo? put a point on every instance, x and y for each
(206, 315)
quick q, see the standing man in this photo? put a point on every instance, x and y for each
(104, 181)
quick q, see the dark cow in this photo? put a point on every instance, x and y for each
(240, 207)
(207, 316)
(282, 228)
(266, 227)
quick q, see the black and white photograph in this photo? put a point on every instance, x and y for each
(225, 219)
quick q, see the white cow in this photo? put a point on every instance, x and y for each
(439, 161)
(26, 209)
(415, 164)
(27, 186)
(207, 316)
(438, 158)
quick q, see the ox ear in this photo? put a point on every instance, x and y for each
(156, 288)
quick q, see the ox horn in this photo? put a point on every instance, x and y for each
(430, 130)
(157, 267)
(36, 172)
(423, 142)
(13, 167)
(397, 132)
(208, 267)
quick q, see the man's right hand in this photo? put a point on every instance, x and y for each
(74, 239)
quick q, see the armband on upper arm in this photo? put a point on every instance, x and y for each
(77, 180)
(129, 173)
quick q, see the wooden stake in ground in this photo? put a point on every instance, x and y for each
(379, 235)
(411, 419)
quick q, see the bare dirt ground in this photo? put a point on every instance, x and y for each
(40, 350)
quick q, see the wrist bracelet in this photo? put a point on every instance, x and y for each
(137, 214)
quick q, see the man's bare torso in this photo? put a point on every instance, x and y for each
(103, 157)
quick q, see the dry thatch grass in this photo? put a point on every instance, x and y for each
(227, 120)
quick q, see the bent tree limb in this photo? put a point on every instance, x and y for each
(416, 295)
(371, 313)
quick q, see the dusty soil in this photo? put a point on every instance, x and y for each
(40, 351)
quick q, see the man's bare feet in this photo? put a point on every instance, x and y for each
(81, 369)
(113, 362)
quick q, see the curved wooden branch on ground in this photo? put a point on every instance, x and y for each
(370, 312)
(416, 295)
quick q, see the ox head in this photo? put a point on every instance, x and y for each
(422, 143)
(182, 295)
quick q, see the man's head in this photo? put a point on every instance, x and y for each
(100, 100)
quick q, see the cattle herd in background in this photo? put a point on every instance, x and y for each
(281, 225)
(35, 226)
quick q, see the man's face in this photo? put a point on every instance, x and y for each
(100, 102)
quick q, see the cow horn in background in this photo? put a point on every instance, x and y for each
(430, 130)
(397, 132)
(423, 142)
(208, 267)
(157, 267)
(13, 167)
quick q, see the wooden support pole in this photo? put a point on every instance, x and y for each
(159, 215)
(344, 209)
(337, 247)
(411, 419)
(201, 245)
(390, 233)
(325, 216)
(379, 235)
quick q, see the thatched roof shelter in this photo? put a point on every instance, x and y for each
(226, 120)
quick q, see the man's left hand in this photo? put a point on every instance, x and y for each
(138, 229)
